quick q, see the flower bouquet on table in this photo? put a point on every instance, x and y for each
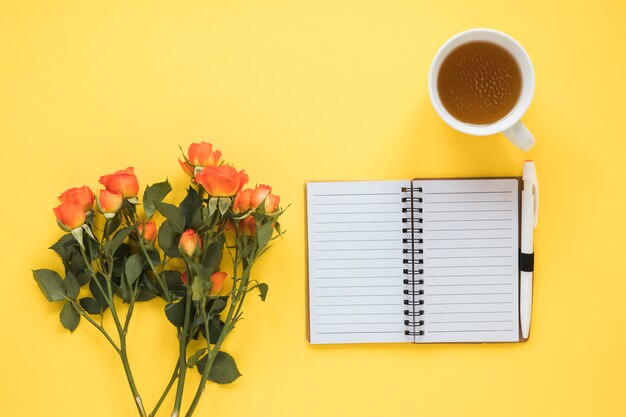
(115, 256)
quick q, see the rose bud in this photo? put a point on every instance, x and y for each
(109, 203)
(242, 201)
(199, 155)
(247, 226)
(217, 280)
(190, 243)
(183, 276)
(82, 196)
(262, 193)
(148, 232)
(70, 216)
(122, 182)
(222, 181)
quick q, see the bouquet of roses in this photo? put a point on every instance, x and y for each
(114, 256)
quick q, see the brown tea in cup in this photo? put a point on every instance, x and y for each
(479, 82)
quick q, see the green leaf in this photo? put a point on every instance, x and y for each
(217, 307)
(173, 214)
(63, 247)
(224, 204)
(111, 225)
(173, 280)
(90, 305)
(212, 205)
(213, 255)
(72, 288)
(175, 313)
(83, 278)
(166, 236)
(77, 264)
(153, 193)
(263, 288)
(145, 295)
(133, 268)
(224, 369)
(264, 234)
(50, 284)
(192, 209)
(69, 317)
(111, 246)
(97, 294)
(193, 359)
(199, 288)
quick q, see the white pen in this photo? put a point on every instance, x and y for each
(530, 208)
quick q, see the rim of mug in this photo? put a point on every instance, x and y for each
(526, 93)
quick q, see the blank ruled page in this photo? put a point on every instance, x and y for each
(471, 275)
(355, 262)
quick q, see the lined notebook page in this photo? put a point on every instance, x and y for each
(471, 278)
(355, 262)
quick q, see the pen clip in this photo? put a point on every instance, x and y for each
(530, 176)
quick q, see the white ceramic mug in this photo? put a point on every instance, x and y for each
(510, 124)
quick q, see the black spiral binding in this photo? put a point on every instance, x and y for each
(413, 271)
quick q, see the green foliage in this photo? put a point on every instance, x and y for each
(224, 204)
(192, 209)
(72, 289)
(153, 193)
(175, 313)
(63, 247)
(50, 284)
(263, 288)
(200, 288)
(173, 214)
(212, 205)
(264, 234)
(193, 359)
(174, 281)
(69, 316)
(90, 305)
(224, 369)
(166, 236)
(100, 296)
(111, 246)
(217, 307)
(133, 268)
(111, 225)
(83, 278)
(213, 256)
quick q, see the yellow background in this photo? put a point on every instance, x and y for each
(294, 91)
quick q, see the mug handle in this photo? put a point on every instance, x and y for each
(520, 136)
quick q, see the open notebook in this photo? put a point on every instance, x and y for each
(421, 261)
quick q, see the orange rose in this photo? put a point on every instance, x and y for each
(222, 181)
(190, 243)
(271, 203)
(217, 280)
(148, 232)
(82, 196)
(262, 193)
(259, 194)
(200, 155)
(242, 201)
(122, 182)
(70, 216)
(109, 203)
(183, 276)
(247, 226)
